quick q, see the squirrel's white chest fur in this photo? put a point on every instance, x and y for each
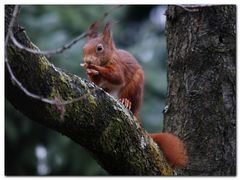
(112, 89)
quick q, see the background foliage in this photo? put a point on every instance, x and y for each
(31, 149)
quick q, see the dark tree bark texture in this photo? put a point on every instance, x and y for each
(201, 95)
(97, 121)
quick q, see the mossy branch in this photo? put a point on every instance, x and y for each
(96, 121)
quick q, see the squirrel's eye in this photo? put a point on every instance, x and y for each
(99, 48)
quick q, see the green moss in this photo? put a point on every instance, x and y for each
(43, 65)
(63, 79)
(166, 171)
(54, 94)
(114, 131)
(55, 113)
(10, 51)
(92, 100)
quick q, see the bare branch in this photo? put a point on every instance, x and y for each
(109, 12)
(48, 53)
(57, 102)
(16, 81)
(10, 27)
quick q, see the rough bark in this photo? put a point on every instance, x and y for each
(201, 95)
(97, 122)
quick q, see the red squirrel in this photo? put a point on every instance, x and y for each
(118, 72)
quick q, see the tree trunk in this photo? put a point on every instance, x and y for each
(96, 121)
(201, 97)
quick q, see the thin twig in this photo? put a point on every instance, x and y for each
(19, 84)
(56, 102)
(48, 52)
(13, 77)
(46, 100)
(109, 12)
(64, 47)
(10, 26)
(59, 103)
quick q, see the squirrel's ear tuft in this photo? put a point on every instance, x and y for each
(92, 31)
(107, 38)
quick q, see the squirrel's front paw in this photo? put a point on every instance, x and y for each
(92, 72)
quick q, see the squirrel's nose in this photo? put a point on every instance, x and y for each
(88, 60)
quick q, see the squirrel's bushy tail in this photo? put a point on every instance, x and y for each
(172, 147)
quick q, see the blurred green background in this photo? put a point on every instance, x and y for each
(31, 149)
